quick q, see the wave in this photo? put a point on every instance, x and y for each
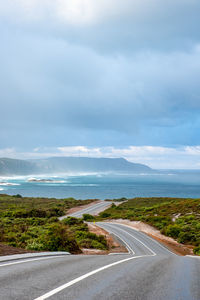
(154, 174)
(82, 184)
(41, 180)
(8, 183)
(1, 189)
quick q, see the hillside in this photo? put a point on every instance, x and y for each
(69, 164)
(32, 224)
(178, 218)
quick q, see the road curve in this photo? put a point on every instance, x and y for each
(92, 209)
(148, 272)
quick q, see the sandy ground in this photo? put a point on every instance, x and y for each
(113, 245)
(172, 244)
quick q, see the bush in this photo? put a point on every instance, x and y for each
(17, 196)
(53, 220)
(33, 223)
(88, 217)
(56, 212)
(172, 230)
(97, 245)
(57, 238)
(186, 237)
(24, 213)
(72, 221)
(91, 240)
(197, 250)
(105, 215)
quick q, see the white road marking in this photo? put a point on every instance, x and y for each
(148, 237)
(28, 260)
(134, 238)
(74, 281)
(193, 256)
(130, 250)
(70, 283)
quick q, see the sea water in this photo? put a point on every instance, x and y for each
(105, 186)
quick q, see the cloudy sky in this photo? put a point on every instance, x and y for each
(114, 78)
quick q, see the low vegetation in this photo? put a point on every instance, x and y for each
(117, 199)
(175, 217)
(33, 224)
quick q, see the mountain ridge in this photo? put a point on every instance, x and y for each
(52, 165)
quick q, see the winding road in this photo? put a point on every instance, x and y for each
(93, 209)
(148, 272)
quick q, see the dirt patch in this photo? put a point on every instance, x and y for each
(169, 242)
(113, 245)
(78, 208)
(93, 252)
(175, 246)
(9, 250)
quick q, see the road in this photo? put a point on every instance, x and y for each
(148, 272)
(93, 209)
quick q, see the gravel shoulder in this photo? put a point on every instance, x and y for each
(169, 242)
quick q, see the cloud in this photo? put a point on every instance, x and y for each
(99, 73)
(109, 26)
(51, 83)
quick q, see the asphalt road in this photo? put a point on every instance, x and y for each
(93, 209)
(148, 272)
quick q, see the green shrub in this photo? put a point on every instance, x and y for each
(53, 220)
(105, 215)
(57, 238)
(97, 245)
(88, 217)
(56, 212)
(87, 240)
(197, 250)
(72, 221)
(186, 237)
(17, 196)
(172, 230)
(33, 223)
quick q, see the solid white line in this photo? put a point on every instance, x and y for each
(70, 283)
(29, 260)
(137, 240)
(193, 256)
(148, 237)
(128, 247)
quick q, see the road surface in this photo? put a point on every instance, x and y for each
(148, 272)
(93, 210)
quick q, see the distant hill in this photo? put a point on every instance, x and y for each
(10, 166)
(56, 165)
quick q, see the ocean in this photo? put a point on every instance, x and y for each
(105, 186)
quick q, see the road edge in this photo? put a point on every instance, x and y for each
(6, 258)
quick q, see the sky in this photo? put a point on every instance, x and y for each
(103, 78)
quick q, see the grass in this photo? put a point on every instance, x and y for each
(33, 224)
(175, 217)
